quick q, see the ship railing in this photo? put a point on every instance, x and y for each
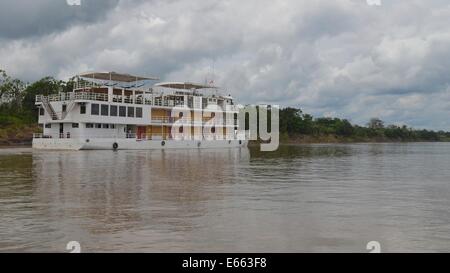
(157, 119)
(161, 103)
(89, 96)
(40, 135)
(104, 97)
(169, 103)
(49, 98)
(185, 120)
(72, 96)
(153, 136)
(129, 99)
(162, 119)
(181, 136)
(85, 85)
(62, 135)
(117, 98)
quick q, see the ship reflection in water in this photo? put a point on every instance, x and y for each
(300, 198)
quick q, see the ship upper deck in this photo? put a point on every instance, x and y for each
(125, 88)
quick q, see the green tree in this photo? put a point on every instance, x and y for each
(10, 91)
(344, 128)
(45, 86)
(290, 120)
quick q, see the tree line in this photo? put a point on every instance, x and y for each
(17, 98)
(17, 111)
(294, 122)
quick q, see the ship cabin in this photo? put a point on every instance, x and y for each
(113, 105)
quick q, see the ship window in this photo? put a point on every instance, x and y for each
(131, 112)
(105, 126)
(98, 126)
(181, 130)
(41, 111)
(122, 111)
(138, 112)
(112, 126)
(94, 109)
(89, 125)
(113, 111)
(64, 108)
(104, 110)
(48, 125)
(83, 109)
(75, 125)
(213, 130)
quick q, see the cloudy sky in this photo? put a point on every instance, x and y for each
(340, 58)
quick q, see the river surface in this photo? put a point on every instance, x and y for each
(302, 198)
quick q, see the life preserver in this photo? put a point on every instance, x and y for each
(115, 146)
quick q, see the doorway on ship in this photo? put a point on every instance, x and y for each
(61, 130)
(141, 131)
(130, 130)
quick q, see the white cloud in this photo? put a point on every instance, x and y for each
(73, 2)
(374, 2)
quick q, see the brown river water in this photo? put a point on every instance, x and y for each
(302, 198)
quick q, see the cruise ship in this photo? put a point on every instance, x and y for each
(113, 111)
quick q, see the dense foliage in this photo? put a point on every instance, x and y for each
(18, 114)
(18, 117)
(294, 122)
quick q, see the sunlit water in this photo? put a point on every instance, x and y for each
(300, 199)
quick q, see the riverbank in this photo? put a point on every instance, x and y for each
(334, 139)
(330, 139)
(18, 135)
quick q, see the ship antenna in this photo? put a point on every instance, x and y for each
(213, 72)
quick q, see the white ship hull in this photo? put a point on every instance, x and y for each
(132, 144)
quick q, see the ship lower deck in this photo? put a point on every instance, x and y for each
(131, 144)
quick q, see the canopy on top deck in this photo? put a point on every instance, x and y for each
(116, 77)
(184, 85)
